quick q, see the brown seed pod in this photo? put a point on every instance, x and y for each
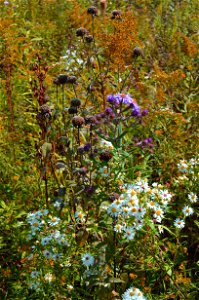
(78, 121)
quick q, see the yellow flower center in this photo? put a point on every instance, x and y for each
(133, 193)
(114, 209)
(134, 209)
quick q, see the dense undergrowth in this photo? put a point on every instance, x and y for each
(99, 149)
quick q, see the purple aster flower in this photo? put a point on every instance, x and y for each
(136, 111)
(145, 112)
(87, 147)
(108, 110)
(111, 99)
(6, 3)
(150, 140)
(121, 98)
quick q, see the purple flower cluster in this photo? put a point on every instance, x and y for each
(119, 99)
(146, 143)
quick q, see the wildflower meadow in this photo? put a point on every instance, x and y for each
(99, 160)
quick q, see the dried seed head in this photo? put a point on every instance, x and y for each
(138, 52)
(61, 79)
(106, 155)
(80, 150)
(71, 79)
(92, 11)
(90, 120)
(72, 110)
(114, 196)
(45, 111)
(89, 38)
(56, 81)
(78, 121)
(116, 14)
(81, 31)
(75, 102)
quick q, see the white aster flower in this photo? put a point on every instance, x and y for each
(34, 274)
(45, 240)
(165, 195)
(158, 213)
(192, 197)
(133, 210)
(133, 294)
(54, 221)
(48, 277)
(47, 254)
(183, 166)
(57, 256)
(125, 211)
(106, 144)
(151, 204)
(87, 259)
(113, 210)
(129, 233)
(161, 229)
(79, 216)
(132, 201)
(118, 228)
(104, 171)
(179, 223)
(187, 211)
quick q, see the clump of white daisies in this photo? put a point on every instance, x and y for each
(48, 242)
(189, 169)
(133, 294)
(138, 203)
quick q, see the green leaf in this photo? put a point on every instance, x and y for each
(2, 203)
